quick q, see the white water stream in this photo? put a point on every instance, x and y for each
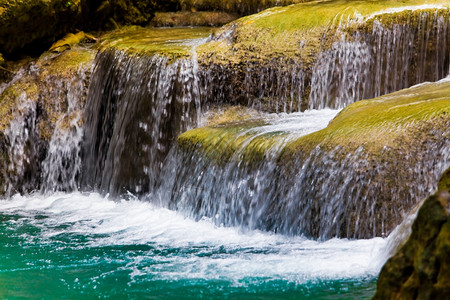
(217, 252)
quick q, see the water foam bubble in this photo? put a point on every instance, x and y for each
(181, 248)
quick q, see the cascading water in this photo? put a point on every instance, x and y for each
(388, 59)
(62, 166)
(331, 193)
(147, 96)
(369, 59)
(122, 142)
(20, 138)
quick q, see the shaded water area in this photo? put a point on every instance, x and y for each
(111, 206)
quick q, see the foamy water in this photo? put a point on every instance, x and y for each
(299, 123)
(202, 249)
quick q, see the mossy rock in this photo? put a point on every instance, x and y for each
(444, 182)
(420, 269)
(374, 124)
(380, 122)
(70, 40)
(303, 30)
(35, 24)
(39, 94)
(34, 85)
(169, 42)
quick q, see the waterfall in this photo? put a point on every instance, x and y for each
(266, 86)
(321, 197)
(118, 136)
(369, 58)
(21, 139)
(42, 155)
(137, 106)
(62, 166)
(388, 59)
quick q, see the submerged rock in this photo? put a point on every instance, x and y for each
(420, 269)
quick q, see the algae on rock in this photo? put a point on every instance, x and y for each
(328, 54)
(362, 145)
(38, 99)
(174, 43)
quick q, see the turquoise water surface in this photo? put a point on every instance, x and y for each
(86, 246)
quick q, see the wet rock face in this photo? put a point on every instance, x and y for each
(421, 268)
(40, 125)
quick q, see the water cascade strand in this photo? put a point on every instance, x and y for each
(390, 58)
(329, 194)
(137, 107)
(62, 166)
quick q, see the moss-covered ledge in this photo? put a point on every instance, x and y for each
(173, 43)
(303, 30)
(393, 121)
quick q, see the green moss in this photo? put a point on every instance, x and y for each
(378, 122)
(170, 42)
(9, 100)
(373, 124)
(220, 142)
(66, 63)
(302, 30)
(444, 182)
